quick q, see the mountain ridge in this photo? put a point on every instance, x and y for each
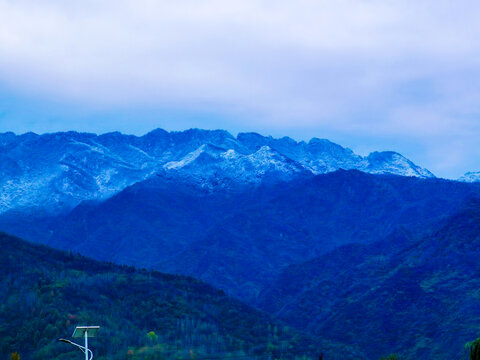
(470, 176)
(250, 233)
(54, 172)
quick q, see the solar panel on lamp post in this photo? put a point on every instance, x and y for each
(85, 332)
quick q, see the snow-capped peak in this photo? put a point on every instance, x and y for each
(212, 151)
(211, 166)
(471, 177)
(389, 162)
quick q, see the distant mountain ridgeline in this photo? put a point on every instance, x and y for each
(421, 301)
(471, 177)
(45, 293)
(55, 172)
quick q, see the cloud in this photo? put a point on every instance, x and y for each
(404, 68)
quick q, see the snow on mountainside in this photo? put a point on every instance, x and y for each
(57, 171)
(470, 177)
(321, 156)
(211, 166)
(389, 162)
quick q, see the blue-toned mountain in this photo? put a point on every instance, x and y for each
(52, 173)
(471, 176)
(280, 224)
(420, 300)
(240, 240)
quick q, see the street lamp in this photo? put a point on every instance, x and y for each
(85, 332)
(79, 346)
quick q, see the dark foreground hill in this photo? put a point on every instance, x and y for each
(44, 293)
(422, 302)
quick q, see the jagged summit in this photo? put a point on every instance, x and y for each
(55, 171)
(390, 162)
(213, 166)
(471, 176)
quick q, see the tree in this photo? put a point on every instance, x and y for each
(15, 356)
(474, 347)
(152, 338)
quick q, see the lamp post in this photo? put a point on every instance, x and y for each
(79, 346)
(85, 332)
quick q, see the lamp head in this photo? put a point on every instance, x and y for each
(90, 331)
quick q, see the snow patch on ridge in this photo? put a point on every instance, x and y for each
(471, 177)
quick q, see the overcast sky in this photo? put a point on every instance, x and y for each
(371, 75)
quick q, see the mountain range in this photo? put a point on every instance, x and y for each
(368, 254)
(55, 172)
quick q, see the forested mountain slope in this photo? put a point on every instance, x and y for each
(240, 240)
(45, 293)
(422, 301)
